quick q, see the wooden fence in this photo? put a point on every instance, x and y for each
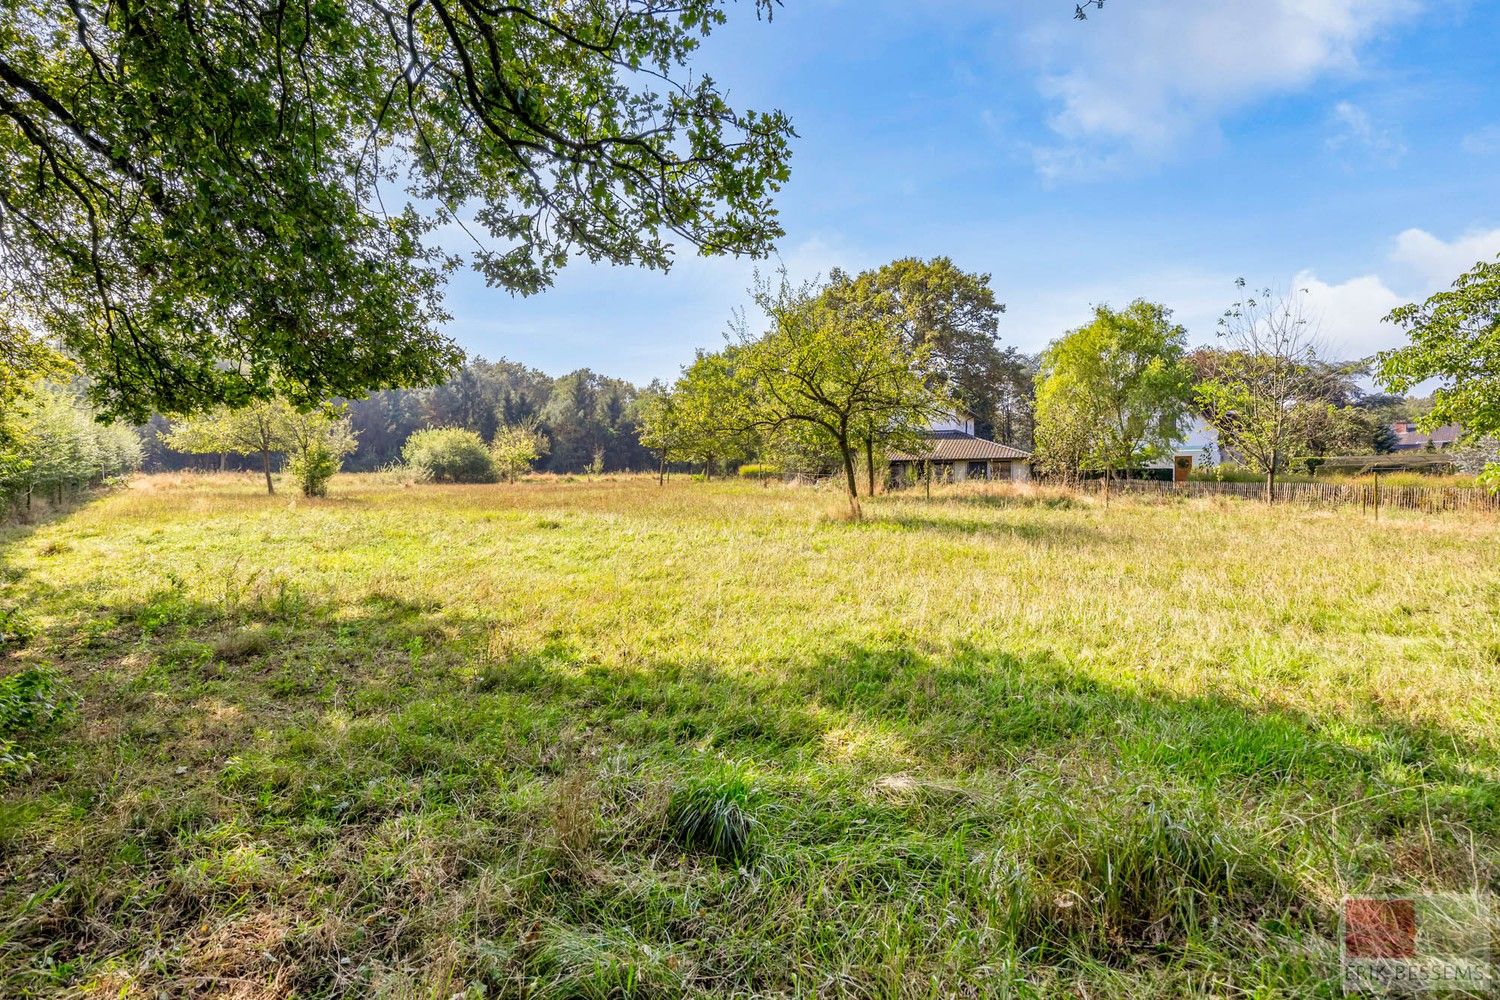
(1370, 497)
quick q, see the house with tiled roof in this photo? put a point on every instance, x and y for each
(1409, 438)
(951, 453)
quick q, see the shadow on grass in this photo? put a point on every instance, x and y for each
(391, 786)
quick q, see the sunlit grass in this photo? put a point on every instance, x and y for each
(605, 738)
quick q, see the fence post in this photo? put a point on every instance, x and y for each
(1377, 496)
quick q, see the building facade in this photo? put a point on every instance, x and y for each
(951, 453)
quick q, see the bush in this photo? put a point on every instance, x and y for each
(752, 470)
(313, 467)
(29, 703)
(516, 448)
(449, 455)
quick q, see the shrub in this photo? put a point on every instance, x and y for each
(516, 448)
(313, 466)
(449, 455)
(752, 470)
(29, 703)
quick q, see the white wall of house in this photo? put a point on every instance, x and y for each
(959, 421)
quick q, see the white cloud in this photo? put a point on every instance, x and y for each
(1435, 263)
(1351, 312)
(1356, 132)
(1143, 76)
(1349, 315)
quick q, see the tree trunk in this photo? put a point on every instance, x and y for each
(265, 463)
(870, 463)
(661, 469)
(849, 475)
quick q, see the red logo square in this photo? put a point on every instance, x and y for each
(1380, 928)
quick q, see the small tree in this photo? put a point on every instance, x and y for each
(516, 448)
(1251, 392)
(261, 428)
(319, 441)
(660, 421)
(834, 366)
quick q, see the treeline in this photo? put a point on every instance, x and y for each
(1123, 390)
(589, 421)
(585, 417)
(52, 446)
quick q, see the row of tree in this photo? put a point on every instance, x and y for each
(52, 445)
(1121, 391)
(583, 420)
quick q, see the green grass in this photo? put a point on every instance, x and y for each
(605, 739)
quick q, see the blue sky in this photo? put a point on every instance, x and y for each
(1159, 149)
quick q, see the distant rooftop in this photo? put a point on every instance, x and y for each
(957, 446)
(1408, 438)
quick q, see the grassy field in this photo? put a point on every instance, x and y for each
(602, 738)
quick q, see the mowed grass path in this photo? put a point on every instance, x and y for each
(604, 738)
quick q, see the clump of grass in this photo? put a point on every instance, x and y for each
(1134, 871)
(575, 815)
(242, 645)
(714, 814)
(600, 966)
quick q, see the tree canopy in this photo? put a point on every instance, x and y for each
(950, 314)
(837, 364)
(217, 202)
(1455, 337)
(1114, 393)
